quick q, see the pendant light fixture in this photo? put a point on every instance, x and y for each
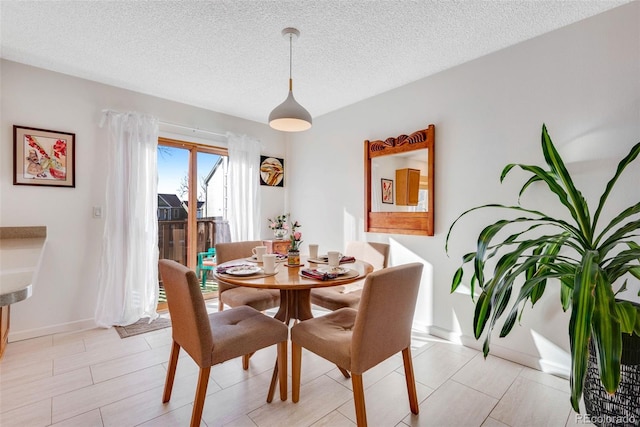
(290, 116)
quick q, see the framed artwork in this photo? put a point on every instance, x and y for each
(43, 157)
(271, 171)
(387, 191)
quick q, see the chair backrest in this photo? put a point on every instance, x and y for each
(189, 318)
(383, 324)
(376, 254)
(233, 250)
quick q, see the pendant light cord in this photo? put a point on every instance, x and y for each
(290, 61)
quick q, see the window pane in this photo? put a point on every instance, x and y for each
(173, 169)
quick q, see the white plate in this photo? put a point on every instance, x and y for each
(243, 270)
(333, 270)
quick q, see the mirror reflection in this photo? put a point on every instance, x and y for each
(399, 182)
(399, 176)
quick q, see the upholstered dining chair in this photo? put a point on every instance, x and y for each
(236, 296)
(335, 297)
(357, 340)
(214, 338)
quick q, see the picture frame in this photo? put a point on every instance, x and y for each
(387, 190)
(43, 157)
(271, 171)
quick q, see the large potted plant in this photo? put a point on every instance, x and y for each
(589, 262)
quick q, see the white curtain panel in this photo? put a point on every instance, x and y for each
(128, 280)
(243, 182)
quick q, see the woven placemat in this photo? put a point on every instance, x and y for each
(142, 326)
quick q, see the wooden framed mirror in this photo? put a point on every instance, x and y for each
(399, 184)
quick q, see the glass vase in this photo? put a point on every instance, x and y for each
(279, 233)
(293, 257)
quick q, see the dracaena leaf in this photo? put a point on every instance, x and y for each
(577, 205)
(537, 292)
(633, 153)
(457, 279)
(509, 322)
(626, 313)
(580, 324)
(482, 312)
(606, 334)
(565, 295)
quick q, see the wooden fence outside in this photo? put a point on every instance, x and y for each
(172, 237)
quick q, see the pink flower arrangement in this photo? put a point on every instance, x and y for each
(296, 236)
(279, 223)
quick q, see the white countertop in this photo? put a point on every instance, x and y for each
(19, 262)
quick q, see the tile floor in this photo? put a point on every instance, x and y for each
(94, 378)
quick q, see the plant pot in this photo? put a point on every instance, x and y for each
(623, 407)
(279, 233)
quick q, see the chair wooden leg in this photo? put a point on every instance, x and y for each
(358, 400)
(220, 303)
(345, 373)
(274, 381)
(245, 361)
(411, 382)
(282, 369)
(171, 372)
(201, 393)
(296, 365)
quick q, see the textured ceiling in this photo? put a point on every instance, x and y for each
(229, 56)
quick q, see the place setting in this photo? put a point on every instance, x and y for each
(314, 258)
(333, 270)
(328, 273)
(250, 270)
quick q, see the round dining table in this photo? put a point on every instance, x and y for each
(295, 290)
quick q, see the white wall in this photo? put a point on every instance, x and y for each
(583, 81)
(64, 294)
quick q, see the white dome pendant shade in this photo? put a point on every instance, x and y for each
(290, 116)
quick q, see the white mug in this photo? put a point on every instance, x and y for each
(334, 258)
(259, 252)
(269, 263)
(313, 251)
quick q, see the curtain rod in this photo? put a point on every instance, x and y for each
(218, 134)
(223, 135)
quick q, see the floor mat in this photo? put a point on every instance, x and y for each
(142, 326)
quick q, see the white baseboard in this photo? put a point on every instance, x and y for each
(53, 329)
(502, 352)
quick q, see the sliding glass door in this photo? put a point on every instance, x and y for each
(192, 182)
